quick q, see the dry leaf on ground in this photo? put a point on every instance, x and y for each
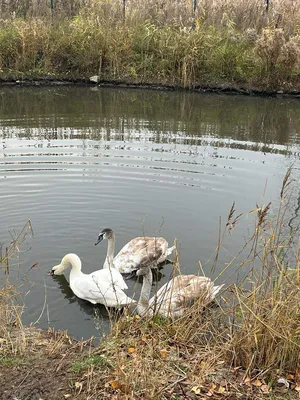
(131, 350)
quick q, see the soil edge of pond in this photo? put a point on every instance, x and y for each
(39, 364)
(228, 89)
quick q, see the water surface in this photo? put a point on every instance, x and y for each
(76, 160)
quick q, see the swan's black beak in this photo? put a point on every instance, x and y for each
(51, 272)
(100, 238)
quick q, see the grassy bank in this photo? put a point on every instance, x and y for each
(238, 44)
(245, 346)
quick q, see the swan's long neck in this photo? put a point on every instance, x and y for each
(109, 261)
(73, 261)
(143, 303)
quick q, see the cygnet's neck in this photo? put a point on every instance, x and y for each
(109, 261)
(143, 303)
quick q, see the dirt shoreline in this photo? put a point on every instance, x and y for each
(53, 365)
(217, 89)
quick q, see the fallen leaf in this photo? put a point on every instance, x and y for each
(221, 390)
(290, 376)
(247, 381)
(203, 364)
(66, 396)
(211, 390)
(115, 384)
(264, 388)
(196, 389)
(297, 376)
(131, 349)
(78, 385)
(163, 353)
(256, 383)
(297, 388)
(284, 382)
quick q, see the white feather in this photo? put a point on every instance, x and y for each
(104, 286)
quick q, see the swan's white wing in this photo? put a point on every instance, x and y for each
(139, 252)
(111, 275)
(97, 289)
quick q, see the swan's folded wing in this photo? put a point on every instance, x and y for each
(181, 292)
(192, 287)
(139, 252)
(110, 296)
(110, 275)
(97, 290)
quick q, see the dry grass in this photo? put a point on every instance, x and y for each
(11, 302)
(242, 15)
(237, 43)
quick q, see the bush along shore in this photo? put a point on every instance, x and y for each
(239, 45)
(244, 347)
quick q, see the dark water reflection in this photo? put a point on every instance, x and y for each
(77, 160)
(259, 120)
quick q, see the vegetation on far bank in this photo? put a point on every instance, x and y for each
(245, 346)
(239, 44)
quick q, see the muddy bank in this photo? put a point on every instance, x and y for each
(217, 89)
(51, 365)
(37, 364)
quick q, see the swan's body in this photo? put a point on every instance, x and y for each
(138, 253)
(175, 297)
(104, 286)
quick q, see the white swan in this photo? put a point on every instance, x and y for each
(175, 297)
(104, 286)
(139, 252)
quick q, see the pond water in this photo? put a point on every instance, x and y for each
(75, 160)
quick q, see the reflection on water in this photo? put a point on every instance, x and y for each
(122, 115)
(76, 161)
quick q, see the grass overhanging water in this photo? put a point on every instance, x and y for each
(240, 44)
(240, 347)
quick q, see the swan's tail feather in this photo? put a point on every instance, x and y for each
(216, 290)
(170, 250)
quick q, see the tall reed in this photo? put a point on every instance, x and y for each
(11, 302)
(237, 43)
